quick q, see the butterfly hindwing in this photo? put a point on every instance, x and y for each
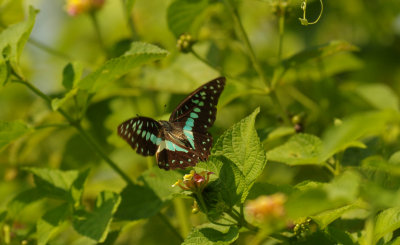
(142, 134)
(174, 154)
(198, 110)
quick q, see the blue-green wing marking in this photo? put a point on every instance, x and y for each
(172, 154)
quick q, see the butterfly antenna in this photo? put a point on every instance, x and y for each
(165, 108)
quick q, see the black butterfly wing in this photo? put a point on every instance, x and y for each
(198, 110)
(142, 134)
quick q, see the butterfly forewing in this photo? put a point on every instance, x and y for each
(142, 134)
(198, 110)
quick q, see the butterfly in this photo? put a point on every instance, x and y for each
(183, 140)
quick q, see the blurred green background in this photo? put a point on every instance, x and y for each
(318, 90)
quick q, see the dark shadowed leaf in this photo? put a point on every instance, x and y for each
(211, 234)
(138, 202)
(50, 223)
(96, 224)
(182, 14)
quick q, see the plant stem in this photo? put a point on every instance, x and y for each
(243, 34)
(129, 20)
(281, 32)
(206, 62)
(52, 125)
(92, 143)
(256, 64)
(369, 230)
(170, 226)
(182, 215)
(96, 26)
(281, 110)
(202, 203)
(48, 49)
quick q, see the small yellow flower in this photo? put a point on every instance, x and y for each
(195, 182)
(177, 183)
(189, 176)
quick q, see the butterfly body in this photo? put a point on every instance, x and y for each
(183, 140)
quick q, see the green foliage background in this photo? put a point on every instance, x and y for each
(67, 178)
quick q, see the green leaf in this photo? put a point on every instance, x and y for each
(395, 158)
(386, 221)
(16, 35)
(3, 215)
(54, 183)
(23, 199)
(96, 224)
(241, 145)
(10, 131)
(231, 183)
(50, 223)
(139, 54)
(325, 218)
(76, 190)
(11, 12)
(320, 197)
(71, 74)
(318, 52)
(299, 149)
(182, 15)
(138, 202)
(379, 95)
(56, 103)
(339, 138)
(212, 235)
(378, 163)
(161, 181)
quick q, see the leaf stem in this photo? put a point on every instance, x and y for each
(256, 64)
(95, 22)
(48, 49)
(92, 143)
(201, 202)
(52, 125)
(206, 62)
(235, 15)
(330, 168)
(281, 111)
(170, 226)
(183, 217)
(129, 19)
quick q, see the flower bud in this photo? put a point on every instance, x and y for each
(185, 43)
(266, 208)
(76, 7)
